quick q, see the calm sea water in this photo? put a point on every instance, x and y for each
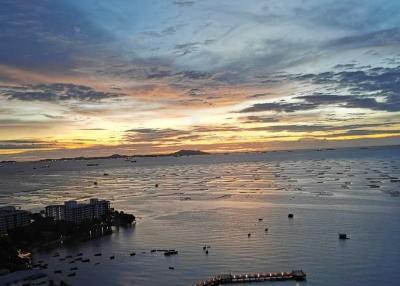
(217, 200)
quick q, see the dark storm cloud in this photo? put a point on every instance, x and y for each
(55, 92)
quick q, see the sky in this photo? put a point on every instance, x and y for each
(98, 77)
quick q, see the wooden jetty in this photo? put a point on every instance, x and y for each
(297, 275)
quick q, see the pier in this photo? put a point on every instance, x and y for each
(297, 275)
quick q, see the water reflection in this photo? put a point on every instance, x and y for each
(218, 200)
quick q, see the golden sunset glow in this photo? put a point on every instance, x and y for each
(142, 87)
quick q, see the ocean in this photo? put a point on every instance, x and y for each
(218, 200)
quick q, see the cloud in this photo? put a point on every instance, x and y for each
(373, 88)
(153, 135)
(381, 38)
(25, 144)
(183, 3)
(279, 107)
(259, 119)
(323, 127)
(391, 103)
(56, 117)
(55, 92)
(93, 129)
(46, 35)
(310, 102)
(361, 132)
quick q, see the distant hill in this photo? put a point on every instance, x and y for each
(118, 156)
(189, 153)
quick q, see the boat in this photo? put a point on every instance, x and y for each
(343, 236)
(290, 215)
(170, 252)
(171, 268)
(97, 254)
(112, 257)
(86, 260)
(133, 254)
(92, 164)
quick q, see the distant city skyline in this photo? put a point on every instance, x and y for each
(96, 77)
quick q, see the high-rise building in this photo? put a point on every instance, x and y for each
(77, 212)
(55, 211)
(12, 218)
(100, 207)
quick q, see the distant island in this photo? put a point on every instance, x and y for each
(179, 153)
(189, 153)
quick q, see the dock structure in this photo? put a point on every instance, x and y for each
(221, 279)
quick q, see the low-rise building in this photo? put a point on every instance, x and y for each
(32, 277)
(11, 218)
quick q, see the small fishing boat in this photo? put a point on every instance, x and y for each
(170, 252)
(343, 236)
